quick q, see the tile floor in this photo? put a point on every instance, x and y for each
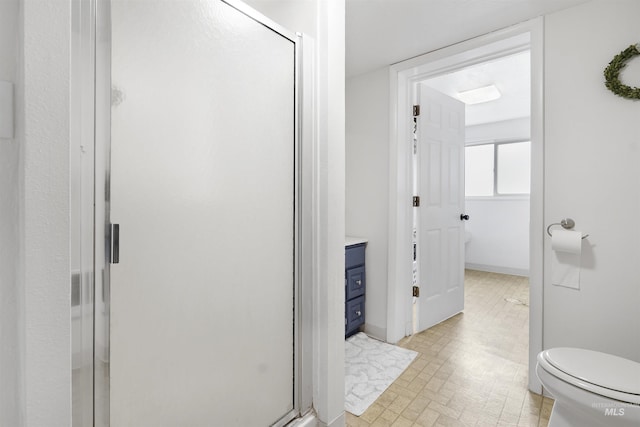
(471, 369)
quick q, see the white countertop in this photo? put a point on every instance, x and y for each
(352, 240)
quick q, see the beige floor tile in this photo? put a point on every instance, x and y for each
(547, 406)
(434, 384)
(389, 415)
(528, 420)
(387, 398)
(435, 396)
(372, 412)
(427, 418)
(444, 421)
(509, 418)
(381, 422)
(399, 404)
(471, 370)
(418, 384)
(402, 422)
(419, 363)
(409, 374)
(354, 421)
(425, 375)
(487, 420)
(469, 417)
(415, 408)
(402, 382)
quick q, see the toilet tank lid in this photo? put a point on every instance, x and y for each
(601, 369)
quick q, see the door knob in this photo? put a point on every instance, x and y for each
(464, 217)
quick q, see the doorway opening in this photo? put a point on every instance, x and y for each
(488, 226)
(405, 81)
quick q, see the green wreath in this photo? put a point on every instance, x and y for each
(612, 74)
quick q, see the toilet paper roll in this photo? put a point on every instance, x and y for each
(566, 259)
(566, 241)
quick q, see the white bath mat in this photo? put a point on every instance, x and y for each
(370, 367)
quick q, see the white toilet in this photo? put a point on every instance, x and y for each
(590, 388)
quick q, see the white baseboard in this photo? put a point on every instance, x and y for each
(340, 421)
(375, 332)
(497, 269)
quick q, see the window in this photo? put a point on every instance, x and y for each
(514, 168)
(497, 169)
(478, 170)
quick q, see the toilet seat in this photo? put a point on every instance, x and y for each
(603, 374)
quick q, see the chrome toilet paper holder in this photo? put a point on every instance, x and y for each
(567, 224)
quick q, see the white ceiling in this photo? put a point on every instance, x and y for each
(383, 32)
(511, 75)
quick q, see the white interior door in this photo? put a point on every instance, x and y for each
(203, 189)
(441, 187)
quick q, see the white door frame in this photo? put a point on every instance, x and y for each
(403, 77)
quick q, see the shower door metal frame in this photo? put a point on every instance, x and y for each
(82, 214)
(304, 220)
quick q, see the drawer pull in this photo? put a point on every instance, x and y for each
(359, 282)
(358, 313)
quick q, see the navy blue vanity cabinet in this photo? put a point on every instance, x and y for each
(355, 281)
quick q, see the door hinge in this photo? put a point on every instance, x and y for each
(416, 291)
(114, 253)
(416, 201)
(416, 110)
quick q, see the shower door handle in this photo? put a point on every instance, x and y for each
(464, 217)
(114, 253)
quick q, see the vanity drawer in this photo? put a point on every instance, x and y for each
(354, 285)
(354, 314)
(354, 256)
(356, 282)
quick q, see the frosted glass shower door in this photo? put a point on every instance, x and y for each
(203, 178)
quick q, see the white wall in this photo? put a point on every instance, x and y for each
(507, 129)
(367, 182)
(10, 350)
(592, 153)
(329, 355)
(45, 215)
(499, 227)
(499, 230)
